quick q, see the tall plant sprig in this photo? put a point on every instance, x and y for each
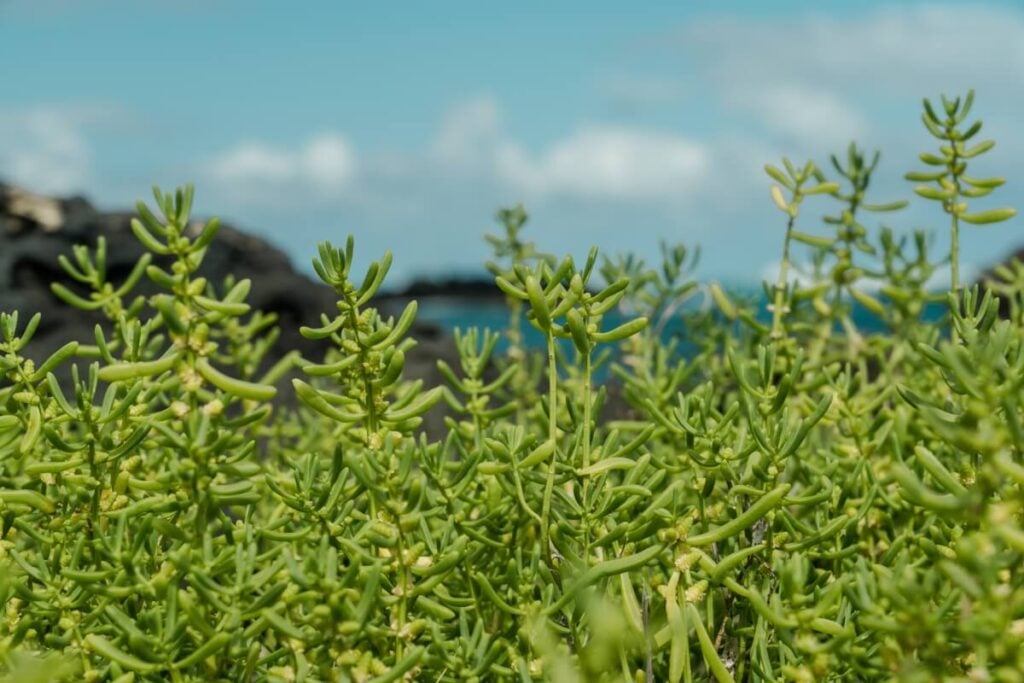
(367, 366)
(582, 324)
(476, 348)
(543, 288)
(952, 186)
(511, 251)
(185, 308)
(511, 248)
(851, 233)
(660, 295)
(192, 317)
(655, 293)
(905, 269)
(371, 355)
(90, 269)
(24, 398)
(795, 181)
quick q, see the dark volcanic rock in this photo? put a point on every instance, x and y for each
(472, 288)
(991, 279)
(35, 230)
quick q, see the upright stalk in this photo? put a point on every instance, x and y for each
(954, 233)
(949, 169)
(370, 424)
(780, 283)
(587, 388)
(954, 253)
(517, 353)
(403, 597)
(549, 487)
(585, 485)
(954, 220)
(795, 184)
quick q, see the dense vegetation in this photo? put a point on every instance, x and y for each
(793, 500)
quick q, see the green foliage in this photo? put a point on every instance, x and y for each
(370, 358)
(793, 501)
(948, 170)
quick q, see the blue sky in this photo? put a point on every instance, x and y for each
(409, 124)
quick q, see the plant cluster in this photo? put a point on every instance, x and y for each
(776, 498)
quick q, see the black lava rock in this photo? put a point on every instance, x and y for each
(35, 230)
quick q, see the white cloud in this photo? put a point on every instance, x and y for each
(45, 150)
(815, 79)
(609, 162)
(253, 162)
(468, 133)
(326, 162)
(592, 162)
(925, 45)
(329, 161)
(640, 90)
(808, 116)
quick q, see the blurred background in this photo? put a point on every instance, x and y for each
(409, 124)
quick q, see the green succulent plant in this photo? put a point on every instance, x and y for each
(676, 485)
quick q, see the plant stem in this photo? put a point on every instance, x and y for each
(954, 231)
(403, 599)
(780, 283)
(521, 382)
(549, 487)
(478, 424)
(954, 253)
(585, 484)
(370, 400)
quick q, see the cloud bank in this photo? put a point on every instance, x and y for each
(752, 89)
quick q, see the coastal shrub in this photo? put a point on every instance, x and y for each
(679, 485)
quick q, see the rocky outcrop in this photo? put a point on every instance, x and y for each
(35, 230)
(994, 278)
(474, 289)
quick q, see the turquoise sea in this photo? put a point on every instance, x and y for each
(450, 313)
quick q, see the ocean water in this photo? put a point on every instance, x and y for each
(450, 313)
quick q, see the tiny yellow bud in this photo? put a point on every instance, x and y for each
(686, 560)
(191, 380)
(1017, 628)
(213, 408)
(696, 592)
